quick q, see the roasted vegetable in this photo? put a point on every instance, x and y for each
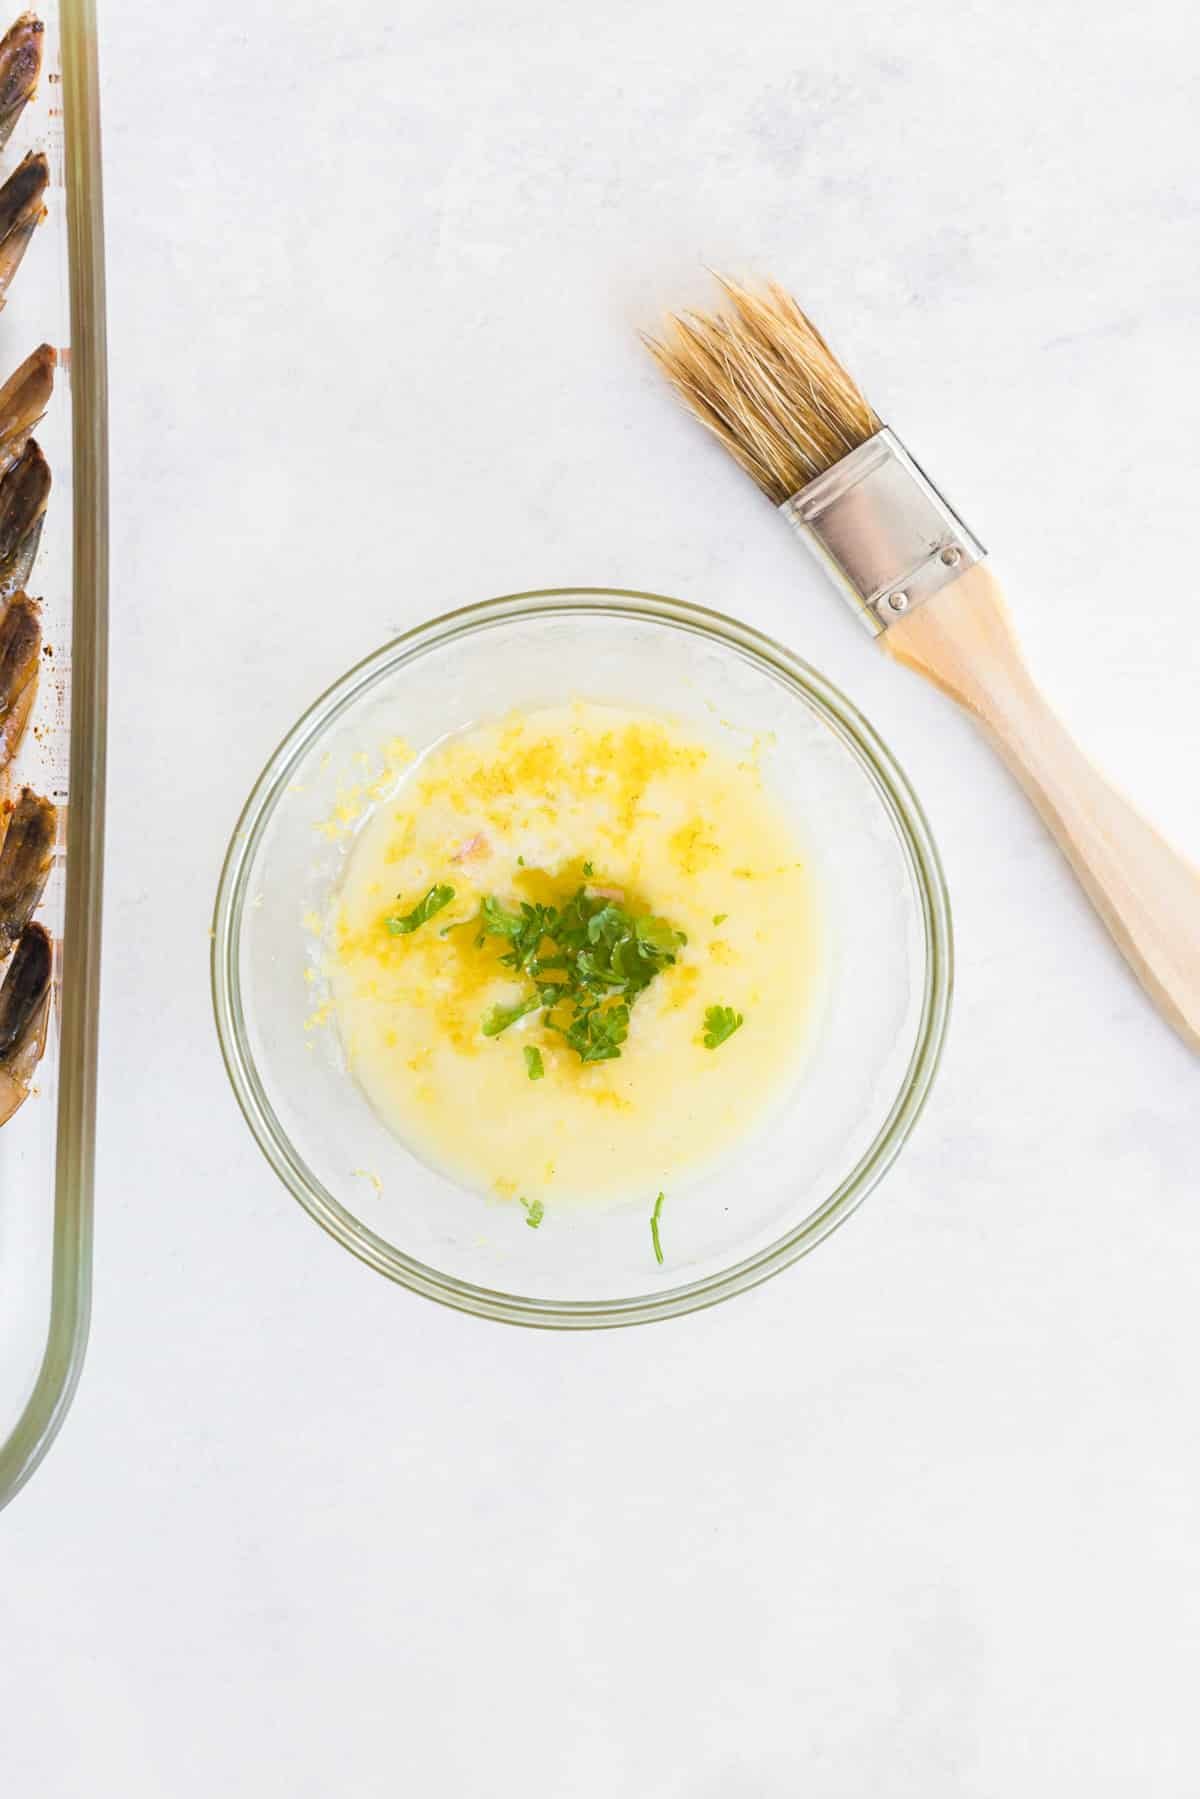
(24, 1012)
(20, 66)
(22, 209)
(25, 858)
(23, 399)
(20, 655)
(24, 493)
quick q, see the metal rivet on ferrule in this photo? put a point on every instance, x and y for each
(882, 531)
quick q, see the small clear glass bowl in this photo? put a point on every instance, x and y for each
(875, 1039)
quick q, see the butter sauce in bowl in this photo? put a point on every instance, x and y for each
(589, 912)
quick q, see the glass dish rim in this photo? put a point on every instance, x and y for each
(39, 1422)
(899, 801)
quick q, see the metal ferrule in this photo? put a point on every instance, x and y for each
(883, 531)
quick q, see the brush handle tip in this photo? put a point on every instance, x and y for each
(1146, 893)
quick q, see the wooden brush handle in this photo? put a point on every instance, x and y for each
(1147, 894)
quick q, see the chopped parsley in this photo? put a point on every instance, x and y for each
(596, 1035)
(720, 917)
(498, 1018)
(588, 870)
(497, 920)
(586, 962)
(535, 1068)
(534, 1213)
(720, 1022)
(656, 937)
(655, 1215)
(435, 899)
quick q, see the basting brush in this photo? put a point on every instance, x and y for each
(761, 377)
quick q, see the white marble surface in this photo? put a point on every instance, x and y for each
(919, 1517)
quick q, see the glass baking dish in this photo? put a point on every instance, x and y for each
(46, 1149)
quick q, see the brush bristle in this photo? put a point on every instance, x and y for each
(763, 380)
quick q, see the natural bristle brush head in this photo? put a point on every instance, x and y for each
(762, 378)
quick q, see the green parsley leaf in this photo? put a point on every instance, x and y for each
(498, 1018)
(520, 861)
(606, 926)
(496, 919)
(720, 917)
(599, 956)
(536, 923)
(596, 1036)
(534, 1213)
(655, 936)
(434, 900)
(588, 870)
(655, 1215)
(720, 1022)
(535, 1068)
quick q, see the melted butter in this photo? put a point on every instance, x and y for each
(682, 829)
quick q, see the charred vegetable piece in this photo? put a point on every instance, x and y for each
(25, 859)
(24, 1012)
(22, 209)
(24, 986)
(23, 399)
(24, 493)
(20, 66)
(20, 654)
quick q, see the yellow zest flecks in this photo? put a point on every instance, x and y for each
(606, 1096)
(346, 813)
(402, 838)
(320, 1017)
(353, 802)
(683, 986)
(694, 846)
(529, 808)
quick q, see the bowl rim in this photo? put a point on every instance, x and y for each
(899, 801)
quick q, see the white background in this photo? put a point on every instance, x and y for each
(918, 1518)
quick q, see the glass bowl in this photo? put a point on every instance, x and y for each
(876, 1035)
